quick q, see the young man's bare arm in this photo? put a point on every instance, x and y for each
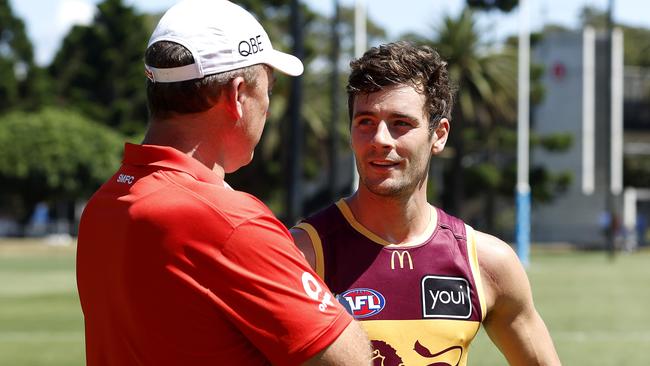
(350, 348)
(512, 322)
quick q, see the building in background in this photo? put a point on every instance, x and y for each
(577, 102)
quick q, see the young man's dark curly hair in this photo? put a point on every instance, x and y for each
(404, 63)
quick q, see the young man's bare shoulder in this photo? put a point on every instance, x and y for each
(511, 321)
(493, 252)
(500, 268)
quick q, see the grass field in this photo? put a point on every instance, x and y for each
(40, 316)
(598, 311)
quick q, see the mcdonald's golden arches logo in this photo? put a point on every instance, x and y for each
(401, 255)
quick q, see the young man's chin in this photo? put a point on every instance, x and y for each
(387, 188)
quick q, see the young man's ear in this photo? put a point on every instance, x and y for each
(233, 97)
(440, 135)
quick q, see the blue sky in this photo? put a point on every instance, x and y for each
(48, 21)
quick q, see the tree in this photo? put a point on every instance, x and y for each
(53, 155)
(592, 16)
(636, 48)
(636, 171)
(503, 5)
(99, 68)
(21, 85)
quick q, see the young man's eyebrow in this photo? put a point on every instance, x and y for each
(392, 115)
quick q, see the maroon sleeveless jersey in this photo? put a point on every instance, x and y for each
(421, 303)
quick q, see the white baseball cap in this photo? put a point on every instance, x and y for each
(221, 36)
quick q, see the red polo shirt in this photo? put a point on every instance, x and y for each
(176, 268)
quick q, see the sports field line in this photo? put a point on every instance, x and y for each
(602, 336)
(40, 336)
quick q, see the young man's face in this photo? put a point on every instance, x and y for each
(391, 140)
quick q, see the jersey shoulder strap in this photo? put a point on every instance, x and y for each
(466, 240)
(476, 270)
(318, 226)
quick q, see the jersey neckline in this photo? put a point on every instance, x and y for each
(345, 210)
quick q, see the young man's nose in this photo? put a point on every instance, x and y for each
(382, 136)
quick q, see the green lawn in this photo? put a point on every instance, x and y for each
(40, 315)
(598, 311)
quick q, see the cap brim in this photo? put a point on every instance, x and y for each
(285, 63)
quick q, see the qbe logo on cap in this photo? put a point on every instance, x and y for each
(446, 297)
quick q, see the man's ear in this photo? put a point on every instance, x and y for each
(440, 136)
(233, 96)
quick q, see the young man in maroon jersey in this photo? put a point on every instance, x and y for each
(174, 267)
(420, 280)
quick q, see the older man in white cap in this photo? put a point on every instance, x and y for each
(173, 266)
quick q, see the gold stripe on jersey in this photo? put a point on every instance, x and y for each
(347, 213)
(317, 245)
(476, 270)
(419, 342)
(349, 217)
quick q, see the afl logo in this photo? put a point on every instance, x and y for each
(362, 302)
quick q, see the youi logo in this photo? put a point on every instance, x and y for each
(362, 302)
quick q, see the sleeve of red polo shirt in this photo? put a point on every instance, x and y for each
(273, 296)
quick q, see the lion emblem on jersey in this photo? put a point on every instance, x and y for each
(424, 352)
(385, 355)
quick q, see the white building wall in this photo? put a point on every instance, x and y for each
(575, 216)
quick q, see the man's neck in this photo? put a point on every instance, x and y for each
(190, 141)
(398, 220)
